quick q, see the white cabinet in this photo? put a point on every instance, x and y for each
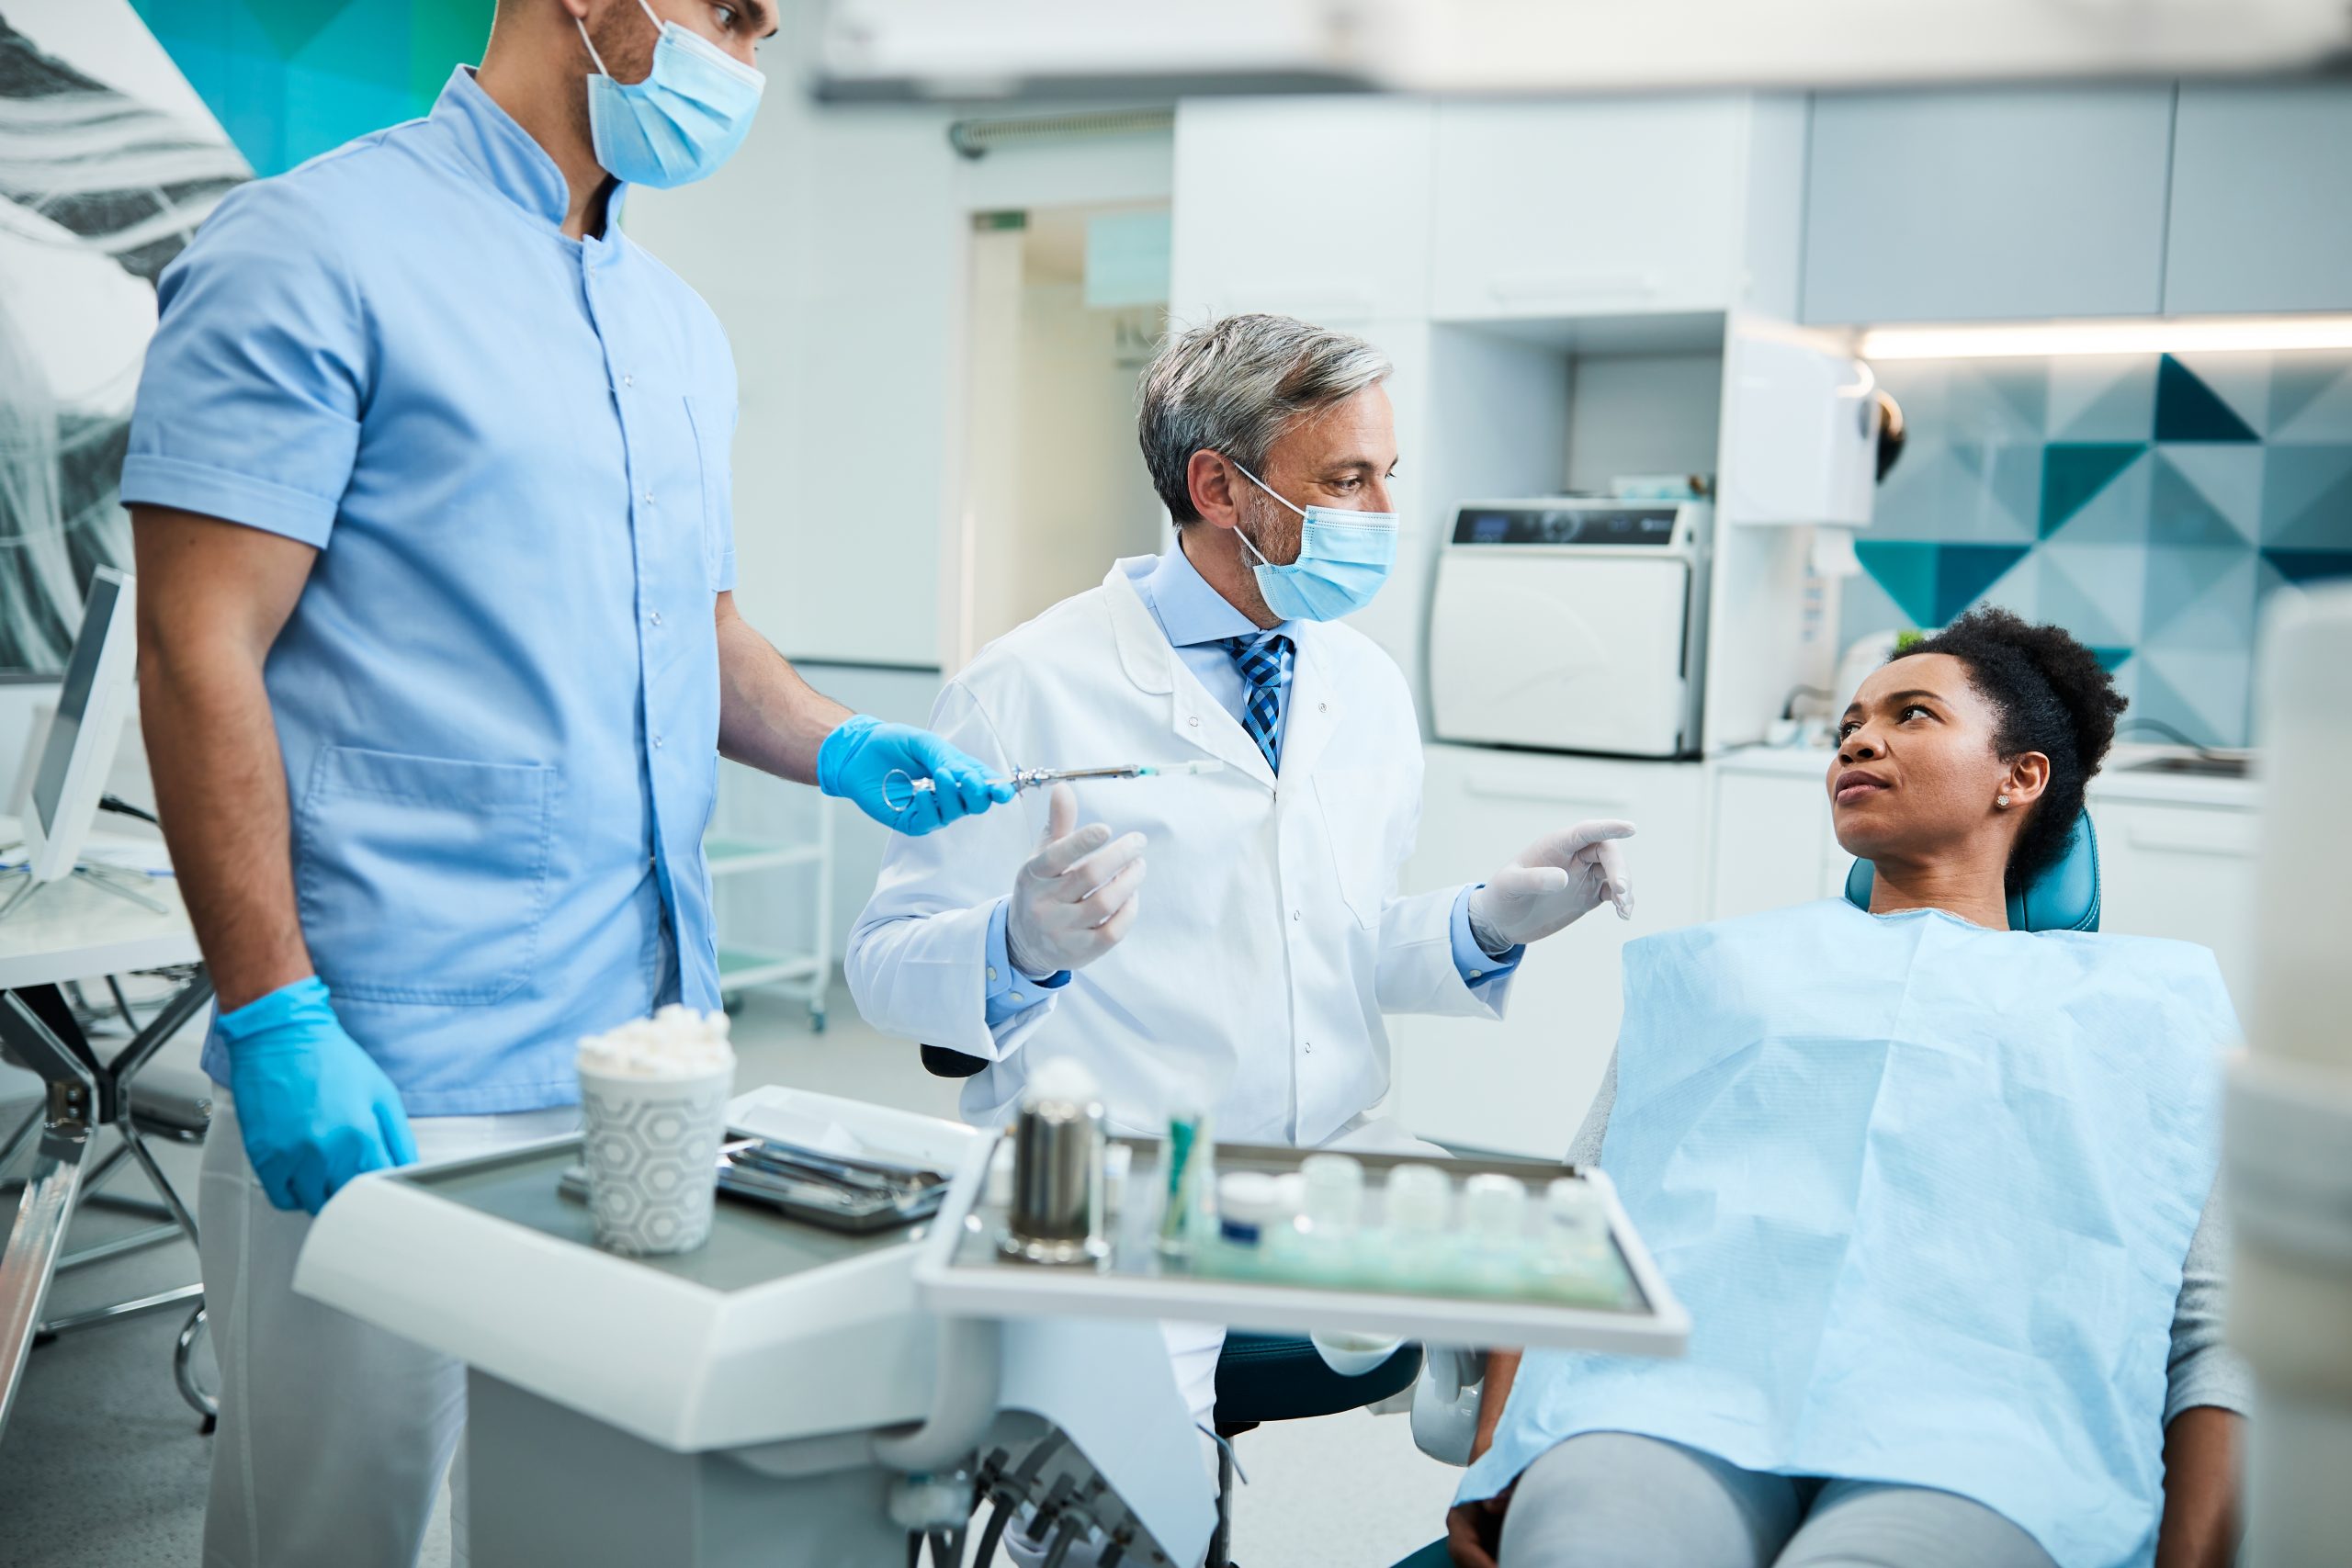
(1579, 209)
(2261, 199)
(1314, 208)
(1987, 205)
(2184, 872)
(1523, 1085)
(1772, 843)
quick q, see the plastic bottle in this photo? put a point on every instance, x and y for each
(1419, 1205)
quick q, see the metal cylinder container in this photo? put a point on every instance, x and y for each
(1057, 1213)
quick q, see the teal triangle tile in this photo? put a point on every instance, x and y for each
(2307, 496)
(1964, 572)
(2301, 567)
(2310, 396)
(1995, 400)
(2204, 694)
(292, 25)
(2188, 410)
(1863, 608)
(2178, 512)
(2111, 658)
(2227, 475)
(2117, 515)
(2002, 504)
(2240, 379)
(2200, 597)
(2073, 472)
(1918, 499)
(2102, 396)
(2098, 591)
(1907, 570)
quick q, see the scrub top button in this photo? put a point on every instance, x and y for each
(991, 974)
(657, 617)
(1194, 721)
(657, 743)
(649, 497)
(628, 380)
(1294, 914)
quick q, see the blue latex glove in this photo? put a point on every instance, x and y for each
(858, 761)
(314, 1107)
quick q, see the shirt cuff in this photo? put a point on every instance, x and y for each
(1010, 992)
(152, 480)
(1477, 967)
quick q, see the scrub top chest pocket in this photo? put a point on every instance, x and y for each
(423, 879)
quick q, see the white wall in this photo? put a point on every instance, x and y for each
(832, 247)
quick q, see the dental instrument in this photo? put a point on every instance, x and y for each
(899, 782)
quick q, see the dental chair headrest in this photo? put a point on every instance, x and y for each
(2064, 899)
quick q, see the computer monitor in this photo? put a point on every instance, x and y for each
(93, 701)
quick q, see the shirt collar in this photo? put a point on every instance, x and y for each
(1189, 610)
(508, 157)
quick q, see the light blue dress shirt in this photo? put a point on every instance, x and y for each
(498, 694)
(1196, 620)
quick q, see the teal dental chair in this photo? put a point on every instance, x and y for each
(1260, 1377)
(2064, 899)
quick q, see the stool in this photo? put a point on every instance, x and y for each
(1280, 1377)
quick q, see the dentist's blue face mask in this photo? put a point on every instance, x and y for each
(1343, 558)
(680, 123)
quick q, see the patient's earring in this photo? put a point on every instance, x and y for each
(2000, 800)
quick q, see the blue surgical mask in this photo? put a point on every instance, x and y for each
(680, 123)
(1343, 558)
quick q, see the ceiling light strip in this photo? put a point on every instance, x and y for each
(2220, 335)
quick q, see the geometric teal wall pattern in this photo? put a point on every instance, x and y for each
(290, 79)
(2148, 503)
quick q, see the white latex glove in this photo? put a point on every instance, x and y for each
(1554, 880)
(1076, 896)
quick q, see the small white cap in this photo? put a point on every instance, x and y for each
(1334, 1192)
(1572, 1204)
(1494, 1205)
(1420, 1198)
(1248, 1196)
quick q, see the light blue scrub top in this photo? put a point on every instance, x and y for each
(498, 694)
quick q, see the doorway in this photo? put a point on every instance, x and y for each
(1066, 305)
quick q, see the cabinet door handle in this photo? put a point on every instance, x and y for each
(1521, 287)
(1485, 791)
(2227, 836)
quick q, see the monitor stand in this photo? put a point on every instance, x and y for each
(121, 882)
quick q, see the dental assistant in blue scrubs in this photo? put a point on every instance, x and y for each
(438, 654)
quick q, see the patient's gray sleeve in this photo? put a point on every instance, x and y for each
(1586, 1149)
(2200, 1369)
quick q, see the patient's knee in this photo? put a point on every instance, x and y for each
(1614, 1500)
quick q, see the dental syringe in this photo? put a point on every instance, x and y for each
(899, 783)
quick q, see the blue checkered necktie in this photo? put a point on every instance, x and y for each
(1264, 662)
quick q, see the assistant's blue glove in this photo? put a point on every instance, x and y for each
(315, 1109)
(876, 764)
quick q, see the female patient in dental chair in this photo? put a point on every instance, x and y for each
(1930, 1187)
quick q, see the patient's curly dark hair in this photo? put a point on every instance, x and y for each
(2053, 697)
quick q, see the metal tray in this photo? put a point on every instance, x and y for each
(961, 1271)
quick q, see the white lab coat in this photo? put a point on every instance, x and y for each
(1270, 936)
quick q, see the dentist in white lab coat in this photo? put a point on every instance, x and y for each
(1247, 976)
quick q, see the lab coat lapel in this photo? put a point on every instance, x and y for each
(1195, 718)
(1312, 715)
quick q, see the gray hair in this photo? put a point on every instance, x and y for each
(1234, 385)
